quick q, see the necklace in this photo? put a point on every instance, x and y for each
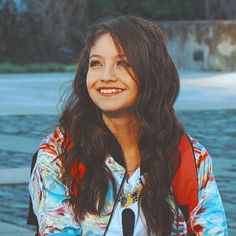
(128, 199)
(135, 168)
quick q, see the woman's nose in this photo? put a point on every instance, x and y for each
(108, 74)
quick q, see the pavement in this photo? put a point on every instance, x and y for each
(10, 230)
(23, 94)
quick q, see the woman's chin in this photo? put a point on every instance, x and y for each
(118, 113)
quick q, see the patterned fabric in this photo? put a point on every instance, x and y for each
(50, 197)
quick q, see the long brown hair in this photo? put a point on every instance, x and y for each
(160, 131)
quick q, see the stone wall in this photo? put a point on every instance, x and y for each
(202, 45)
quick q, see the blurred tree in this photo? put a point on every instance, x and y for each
(180, 9)
(51, 25)
(220, 9)
(8, 28)
(30, 40)
(19, 32)
(162, 9)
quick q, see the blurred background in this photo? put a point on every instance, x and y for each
(200, 34)
(40, 42)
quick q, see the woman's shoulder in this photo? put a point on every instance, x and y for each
(51, 149)
(48, 170)
(202, 157)
(54, 142)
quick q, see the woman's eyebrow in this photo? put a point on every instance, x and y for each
(94, 55)
(117, 56)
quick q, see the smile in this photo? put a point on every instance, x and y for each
(110, 91)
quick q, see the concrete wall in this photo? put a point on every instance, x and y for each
(203, 45)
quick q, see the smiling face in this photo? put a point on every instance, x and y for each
(109, 81)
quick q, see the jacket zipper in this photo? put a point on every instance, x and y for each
(116, 201)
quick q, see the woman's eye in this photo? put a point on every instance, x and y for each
(123, 63)
(94, 63)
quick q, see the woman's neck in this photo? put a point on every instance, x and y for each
(124, 128)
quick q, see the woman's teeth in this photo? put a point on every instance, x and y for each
(110, 90)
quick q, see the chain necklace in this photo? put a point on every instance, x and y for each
(135, 168)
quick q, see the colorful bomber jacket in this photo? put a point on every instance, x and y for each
(51, 198)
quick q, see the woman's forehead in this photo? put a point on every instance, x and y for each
(106, 44)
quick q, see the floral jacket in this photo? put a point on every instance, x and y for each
(51, 205)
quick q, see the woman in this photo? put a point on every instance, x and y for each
(113, 157)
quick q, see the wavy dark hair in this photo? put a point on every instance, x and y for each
(160, 131)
